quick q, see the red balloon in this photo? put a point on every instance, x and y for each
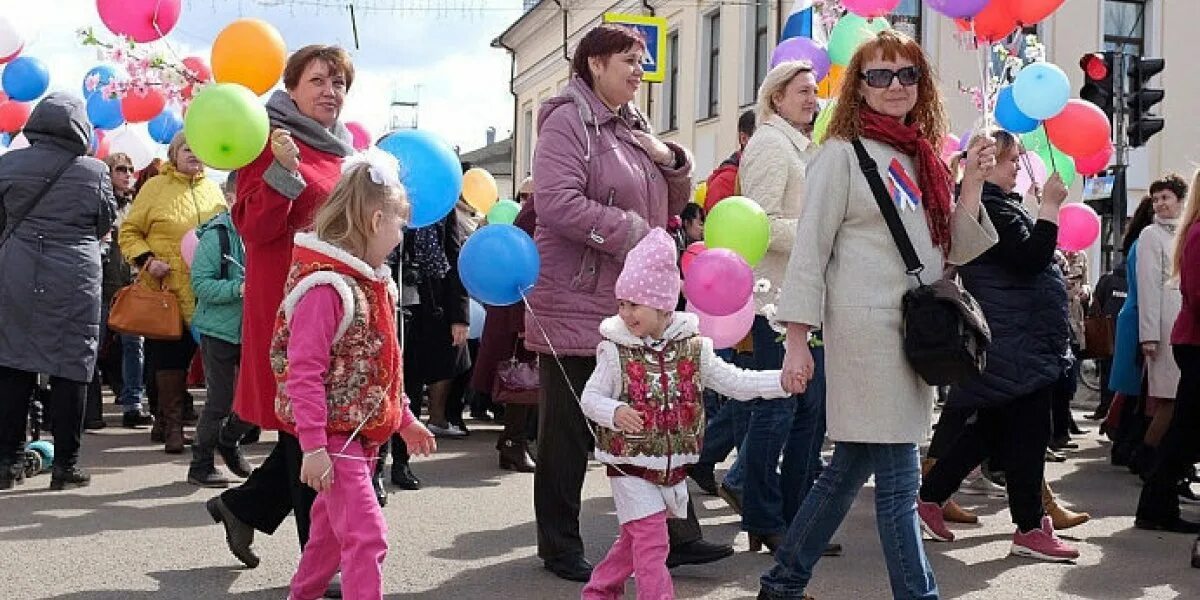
(13, 115)
(1030, 12)
(200, 70)
(1080, 130)
(994, 23)
(103, 145)
(1090, 165)
(142, 105)
(13, 56)
(692, 251)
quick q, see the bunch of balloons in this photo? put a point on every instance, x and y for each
(994, 20)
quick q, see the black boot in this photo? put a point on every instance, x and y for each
(381, 493)
(211, 478)
(514, 450)
(403, 478)
(63, 477)
(235, 459)
(704, 478)
(135, 419)
(238, 535)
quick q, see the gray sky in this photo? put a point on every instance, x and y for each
(440, 45)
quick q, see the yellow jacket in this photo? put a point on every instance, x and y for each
(169, 206)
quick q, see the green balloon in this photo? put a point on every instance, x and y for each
(739, 224)
(821, 126)
(504, 211)
(850, 32)
(226, 126)
(1056, 160)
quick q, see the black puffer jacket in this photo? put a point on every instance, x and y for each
(1024, 297)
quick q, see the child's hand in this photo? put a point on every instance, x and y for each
(316, 471)
(418, 439)
(627, 420)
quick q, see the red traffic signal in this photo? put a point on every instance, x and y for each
(1094, 66)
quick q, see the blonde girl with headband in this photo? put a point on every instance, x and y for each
(337, 362)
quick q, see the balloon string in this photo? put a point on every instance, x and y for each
(1053, 167)
(983, 67)
(1037, 188)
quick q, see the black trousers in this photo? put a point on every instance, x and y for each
(564, 441)
(273, 490)
(218, 425)
(1178, 449)
(951, 423)
(67, 401)
(1017, 434)
(1064, 393)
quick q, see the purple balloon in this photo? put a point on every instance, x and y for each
(958, 9)
(802, 48)
(719, 282)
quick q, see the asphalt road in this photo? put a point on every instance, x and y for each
(140, 531)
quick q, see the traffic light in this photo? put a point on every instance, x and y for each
(1098, 69)
(1142, 125)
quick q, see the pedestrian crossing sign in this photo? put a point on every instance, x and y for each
(654, 30)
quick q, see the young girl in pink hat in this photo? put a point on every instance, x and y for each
(646, 394)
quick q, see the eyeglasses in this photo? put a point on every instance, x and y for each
(882, 78)
(123, 169)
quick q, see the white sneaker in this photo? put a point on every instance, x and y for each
(978, 485)
(449, 431)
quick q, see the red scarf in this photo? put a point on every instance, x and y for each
(933, 176)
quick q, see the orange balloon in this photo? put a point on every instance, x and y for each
(479, 189)
(250, 52)
(832, 83)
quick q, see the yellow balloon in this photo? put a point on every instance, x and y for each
(832, 83)
(701, 193)
(479, 189)
(821, 126)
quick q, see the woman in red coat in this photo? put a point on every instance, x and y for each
(278, 194)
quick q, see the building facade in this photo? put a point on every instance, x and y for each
(719, 51)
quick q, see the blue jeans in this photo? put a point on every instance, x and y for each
(132, 364)
(726, 426)
(897, 477)
(767, 433)
(802, 454)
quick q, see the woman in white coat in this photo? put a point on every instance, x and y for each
(1159, 302)
(846, 275)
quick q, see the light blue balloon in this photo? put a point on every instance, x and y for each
(164, 127)
(498, 264)
(5, 139)
(1041, 90)
(104, 113)
(105, 73)
(477, 317)
(25, 79)
(430, 171)
(195, 333)
(1009, 116)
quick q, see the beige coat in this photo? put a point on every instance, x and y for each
(772, 174)
(1159, 302)
(847, 276)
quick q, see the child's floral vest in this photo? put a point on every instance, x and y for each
(664, 386)
(365, 376)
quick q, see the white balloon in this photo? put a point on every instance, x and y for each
(1025, 178)
(19, 142)
(135, 142)
(10, 40)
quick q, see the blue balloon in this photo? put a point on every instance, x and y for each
(195, 333)
(498, 264)
(430, 171)
(165, 126)
(104, 113)
(5, 139)
(25, 79)
(1041, 90)
(477, 316)
(1009, 116)
(105, 74)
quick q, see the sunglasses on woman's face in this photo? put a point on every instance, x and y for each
(123, 169)
(882, 78)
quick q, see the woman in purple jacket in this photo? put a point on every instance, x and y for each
(601, 181)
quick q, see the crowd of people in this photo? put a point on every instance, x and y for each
(317, 314)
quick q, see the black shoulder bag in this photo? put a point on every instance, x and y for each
(945, 332)
(18, 217)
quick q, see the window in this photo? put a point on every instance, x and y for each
(907, 18)
(711, 66)
(670, 89)
(758, 59)
(527, 137)
(1125, 25)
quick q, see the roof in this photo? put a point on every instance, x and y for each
(495, 158)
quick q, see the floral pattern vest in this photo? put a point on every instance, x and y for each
(664, 386)
(364, 380)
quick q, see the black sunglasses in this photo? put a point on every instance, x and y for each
(123, 169)
(882, 78)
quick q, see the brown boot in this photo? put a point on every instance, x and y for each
(514, 450)
(951, 511)
(171, 385)
(1062, 518)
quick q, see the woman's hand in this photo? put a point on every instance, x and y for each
(627, 420)
(1055, 192)
(458, 333)
(981, 159)
(418, 439)
(285, 150)
(798, 368)
(1150, 349)
(658, 151)
(158, 268)
(316, 470)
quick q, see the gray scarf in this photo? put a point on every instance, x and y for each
(284, 114)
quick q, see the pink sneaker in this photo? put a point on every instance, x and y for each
(932, 521)
(1042, 544)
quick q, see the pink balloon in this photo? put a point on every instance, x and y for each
(719, 282)
(726, 331)
(1078, 227)
(142, 20)
(950, 145)
(1090, 165)
(870, 8)
(362, 137)
(1025, 178)
(187, 247)
(692, 251)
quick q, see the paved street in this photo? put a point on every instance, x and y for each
(140, 531)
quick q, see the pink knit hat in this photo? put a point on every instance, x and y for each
(650, 276)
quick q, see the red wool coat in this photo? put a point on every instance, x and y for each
(267, 221)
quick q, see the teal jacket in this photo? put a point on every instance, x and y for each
(218, 299)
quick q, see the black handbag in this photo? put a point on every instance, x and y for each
(945, 332)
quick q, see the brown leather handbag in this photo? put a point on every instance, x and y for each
(139, 309)
(1099, 334)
